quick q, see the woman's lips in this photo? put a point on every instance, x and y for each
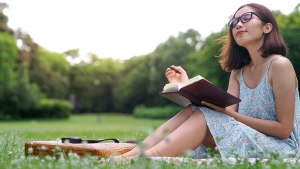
(238, 33)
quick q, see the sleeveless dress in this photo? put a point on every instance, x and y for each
(234, 138)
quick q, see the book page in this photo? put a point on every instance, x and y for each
(192, 80)
(172, 87)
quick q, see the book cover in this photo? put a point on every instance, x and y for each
(196, 90)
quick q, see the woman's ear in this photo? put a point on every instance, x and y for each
(267, 28)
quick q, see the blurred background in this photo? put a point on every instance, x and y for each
(64, 57)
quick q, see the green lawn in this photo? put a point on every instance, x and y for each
(90, 126)
(13, 135)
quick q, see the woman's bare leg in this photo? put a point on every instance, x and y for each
(188, 136)
(161, 132)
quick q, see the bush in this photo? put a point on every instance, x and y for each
(155, 112)
(18, 97)
(54, 108)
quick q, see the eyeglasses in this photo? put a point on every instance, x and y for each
(246, 17)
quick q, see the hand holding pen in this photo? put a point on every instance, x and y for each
(175, 74)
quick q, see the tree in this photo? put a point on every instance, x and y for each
(206, 61)
(8, 58)
(290, 29)
(132, 84)
(4, 19)
(17, 95)
(51, 73)
(92, 84)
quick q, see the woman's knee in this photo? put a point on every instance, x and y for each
(186, 112)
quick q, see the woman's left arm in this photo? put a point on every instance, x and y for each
(283, 81)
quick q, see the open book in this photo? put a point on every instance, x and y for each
(198, 89)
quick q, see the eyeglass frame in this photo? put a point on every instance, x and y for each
(239, 19)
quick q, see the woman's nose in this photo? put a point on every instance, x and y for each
(238, 25)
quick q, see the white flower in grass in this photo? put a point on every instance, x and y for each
(61, 158)
(44, 148)
(49, 157)
(30, 150)
(73, 156)
(85, 161)
(50, 165)
(22, 157)
(15, 161)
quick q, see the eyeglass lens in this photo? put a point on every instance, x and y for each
(246, 17)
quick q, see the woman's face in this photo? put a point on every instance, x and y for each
(249, 32)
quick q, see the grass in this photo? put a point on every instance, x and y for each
(86, 126)
(13, 135)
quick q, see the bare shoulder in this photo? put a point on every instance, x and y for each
(280, 62)
(235, 74)
(282, 70)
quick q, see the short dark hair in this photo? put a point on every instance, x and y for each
(235, 57)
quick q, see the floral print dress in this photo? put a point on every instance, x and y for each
(234, 138)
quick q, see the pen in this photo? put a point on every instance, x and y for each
(172, 68)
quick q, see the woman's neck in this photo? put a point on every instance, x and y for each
(256, 59)
(255, 54)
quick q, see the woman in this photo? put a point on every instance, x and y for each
(267, 119)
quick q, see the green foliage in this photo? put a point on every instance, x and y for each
(92, 84)
(8, 57)
(55, 61)
(53, 108)
(206, 61)
(165, 112)
(17, 95)
(50, 72)
(4, 19)
(26, 95)
(290, 29)
(132, 84)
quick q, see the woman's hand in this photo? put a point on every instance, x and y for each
(225, 110)
(175, 74)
